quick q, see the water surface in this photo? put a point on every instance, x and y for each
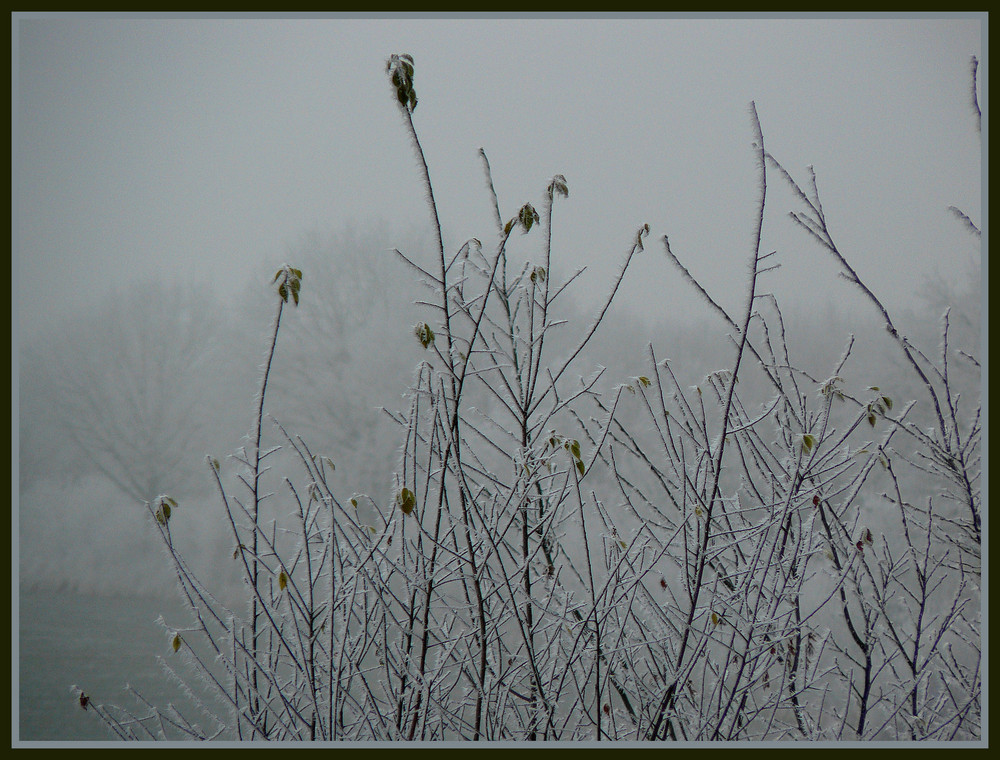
(99, 643)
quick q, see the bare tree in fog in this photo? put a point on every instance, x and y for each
(125, 388)
(348, 350)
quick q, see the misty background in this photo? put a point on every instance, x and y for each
(165, 168)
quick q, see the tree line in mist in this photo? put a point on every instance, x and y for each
(122, 402)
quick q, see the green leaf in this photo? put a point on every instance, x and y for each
(162, 513)
(406, 501)
(646, 382)
(282, 580)
(401, 68)
(507, 227)
(808, 441)
(830, 386)
(558, 185)
(575, 448)
(580, 466)
(424, 334)
(527, 216)
(176, 643)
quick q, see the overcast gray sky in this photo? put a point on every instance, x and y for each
(202, 148)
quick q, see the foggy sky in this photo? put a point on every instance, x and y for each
(200, 149)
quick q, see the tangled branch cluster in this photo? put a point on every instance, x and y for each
(778, 558)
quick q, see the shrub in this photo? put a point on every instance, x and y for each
(771, 554)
